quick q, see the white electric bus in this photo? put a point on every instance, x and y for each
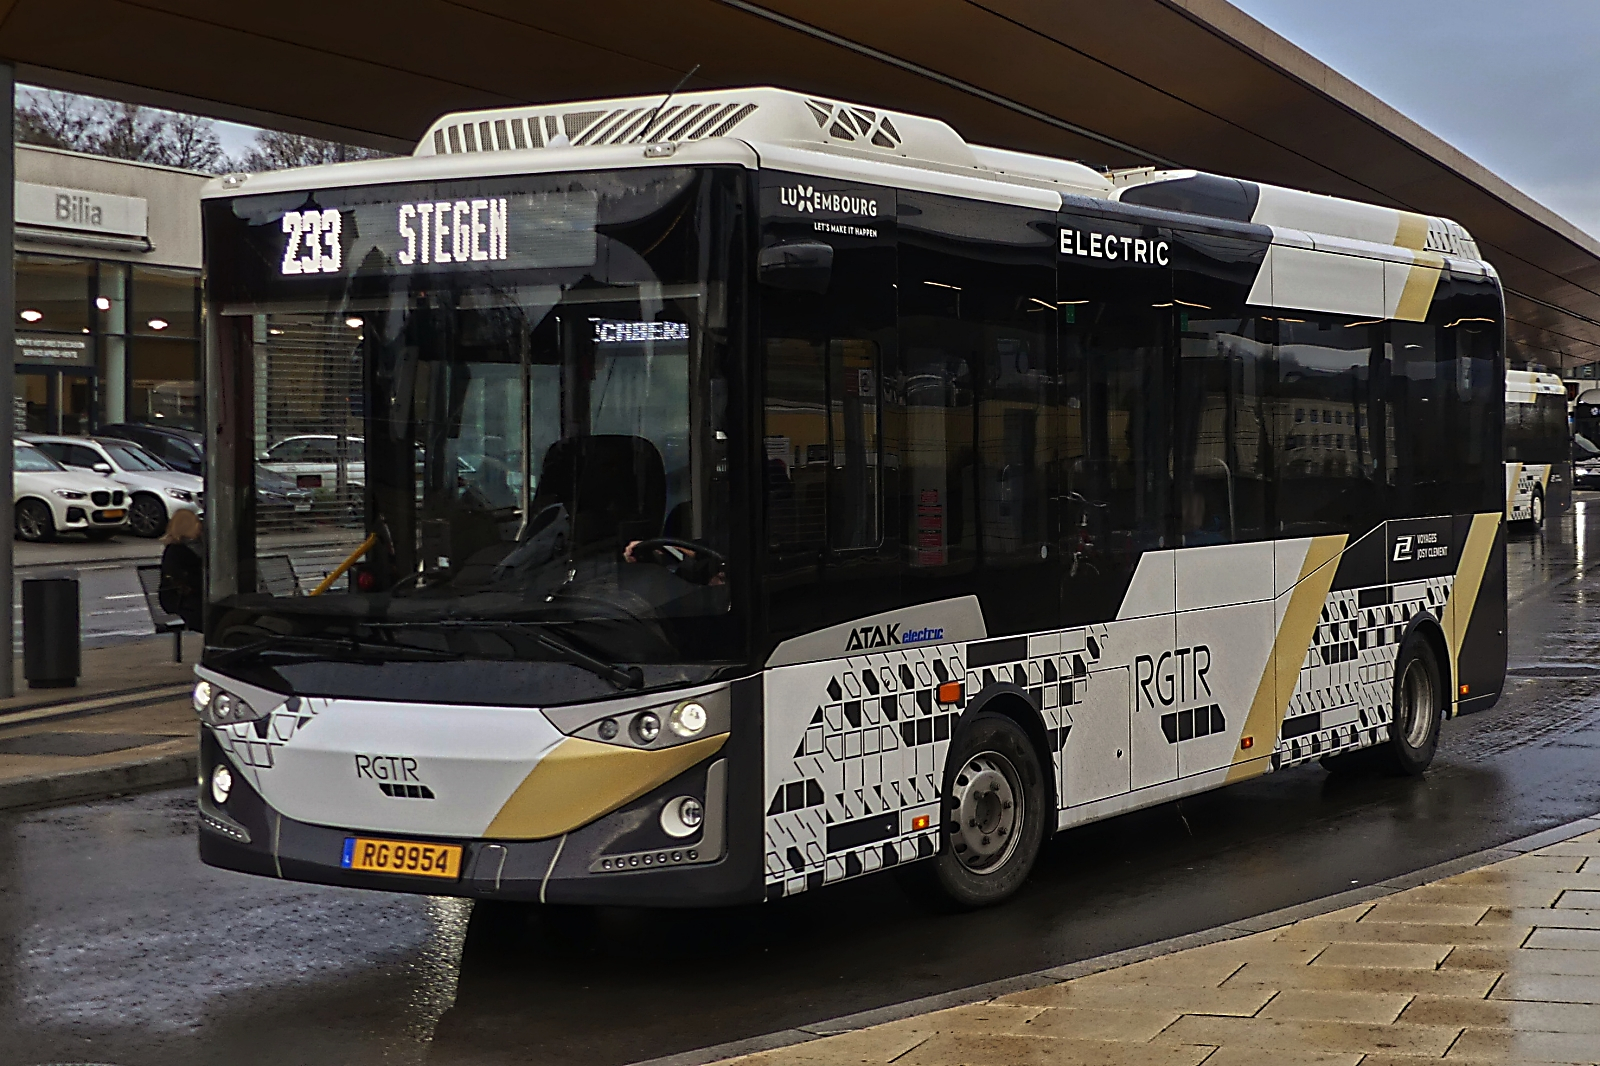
(761, 491)
(1538, 442)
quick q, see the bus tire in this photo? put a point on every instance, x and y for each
(1536, 511)
(1418, 710)
(994, 806)
(1412, 739)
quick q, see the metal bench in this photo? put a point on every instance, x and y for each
(275, 574)
(150, 585)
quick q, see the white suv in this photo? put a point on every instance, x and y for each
(48, 499)
(156, 491)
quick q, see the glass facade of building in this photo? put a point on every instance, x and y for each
(101, 341)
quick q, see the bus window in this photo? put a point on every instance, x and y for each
(1325, 445)
(825, 353)
(854, 411)
(1115, 344)
(1221, 439)
(977, 323)
(796, 435)
(1421, 387)
(1115, 368)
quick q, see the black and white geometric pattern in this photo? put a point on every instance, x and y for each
(870, 762)
(1529, 477)
(253, 743)
(1341, 701)
(861, 789)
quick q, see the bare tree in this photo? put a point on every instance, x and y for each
(119, 130)
(128, 131)
(149, 135)
(276, 150)
(192, 143)
(56, 120)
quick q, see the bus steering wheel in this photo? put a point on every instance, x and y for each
(654, 544)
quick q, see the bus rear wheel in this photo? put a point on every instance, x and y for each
(1536, 511)
(994, 814)
(1414, 725)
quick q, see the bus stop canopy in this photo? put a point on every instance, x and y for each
(1186, 83)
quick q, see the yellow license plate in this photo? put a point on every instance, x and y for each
(111, 515)
(402, 857)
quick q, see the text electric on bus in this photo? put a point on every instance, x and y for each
(762, 491)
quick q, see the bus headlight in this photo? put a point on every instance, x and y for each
(224, 708)
(202, 696)
(646, 727)
(221, 784)
(687, 719)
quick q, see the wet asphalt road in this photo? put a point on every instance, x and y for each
(117, 946)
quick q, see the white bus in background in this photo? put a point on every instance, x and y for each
(1538, 445)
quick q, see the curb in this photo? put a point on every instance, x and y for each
(99, 703)
(100, 782)
(1216, 934)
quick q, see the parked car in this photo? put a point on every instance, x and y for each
(1585, 462)
(277, 496)
(156, 492)
(185, 450)
(312, 459)
(181, 449)
(48, 499)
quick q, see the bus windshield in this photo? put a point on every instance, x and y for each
(507, 401)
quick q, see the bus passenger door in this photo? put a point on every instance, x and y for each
(1222, 421)
(1114, 507)
(827, 336)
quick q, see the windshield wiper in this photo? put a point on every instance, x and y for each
(347, 645)
(620, 676)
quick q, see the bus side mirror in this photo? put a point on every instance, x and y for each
(800, 266)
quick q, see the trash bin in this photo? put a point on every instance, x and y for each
(50, 652)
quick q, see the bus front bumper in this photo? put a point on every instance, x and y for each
(622, 858)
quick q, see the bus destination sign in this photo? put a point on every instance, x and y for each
(446, 234)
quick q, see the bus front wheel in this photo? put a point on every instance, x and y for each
(994, 814)
(1536, 511)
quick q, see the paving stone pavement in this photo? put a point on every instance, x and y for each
(1496, 965)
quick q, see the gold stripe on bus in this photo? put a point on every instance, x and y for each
(1422, 278)
(1411, 231)
(580, 780)
(1282, 672)
(1464, 592)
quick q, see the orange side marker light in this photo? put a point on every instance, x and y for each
(919, 822)
(1465, 688)
(1247, 743)
(950, 692)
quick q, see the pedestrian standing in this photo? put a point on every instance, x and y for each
(183, 569)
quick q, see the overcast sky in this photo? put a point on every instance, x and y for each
(1515, 84)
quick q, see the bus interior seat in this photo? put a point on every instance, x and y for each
(680, 521)
(613, 485)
